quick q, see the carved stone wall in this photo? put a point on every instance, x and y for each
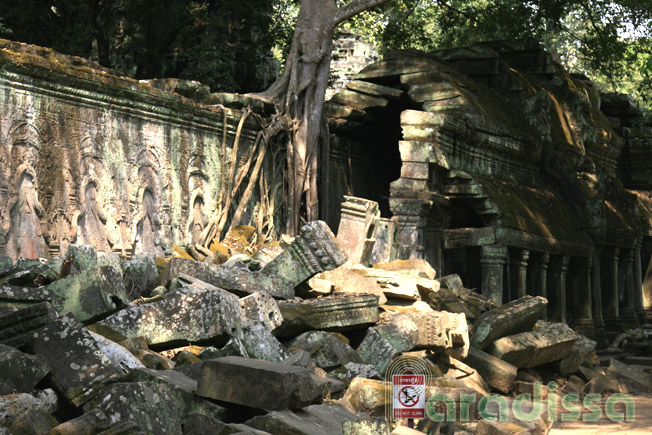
(89, 156)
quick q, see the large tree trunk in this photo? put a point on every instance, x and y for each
(300, 92)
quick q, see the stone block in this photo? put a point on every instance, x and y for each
(351, 371)
(277, 386)
(16, 328)
(79, 367)
(514, 317)
(356, 233)
(261, 307)
(20, 371)
(384, 249)
(328, 349)
(348, 280)
(13, 298)
(187, 315)
(339, 312)
(80, 257)
(26, 274)
(640, 379)
(32, 421)
(140, 275)
(311, 420)
(12, 405)
(369, 396)
(151, 406)
(534, 348)
(415, 268)
(260, 343)
(122, 359)
(376, 350)
(401, 332)
(313, 251)
(452, 282)
(366, 426)
(92, 422)
(89, 294)
(198, 424)
(441, 330)
(486, 427)
(183, 388)
(496, 372)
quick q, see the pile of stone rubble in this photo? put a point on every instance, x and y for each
(286, 341)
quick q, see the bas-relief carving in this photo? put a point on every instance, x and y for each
(148, 227)
(91, 223)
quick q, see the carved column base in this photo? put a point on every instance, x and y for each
(642, 315)
(600, 333)
(648, 315)
(585, 327)
(628, 318)
(613, 324)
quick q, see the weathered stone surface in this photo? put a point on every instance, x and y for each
(530, 349)
(398, 285)
(376, 350)
(20, 371)
(12, 405)
(261, 307)
(183, 389)
(517, 316)
(260, 343)
(444, 331)
(33, 421)
(347, 280)
(486, 427)
(357, 231)
(278, 386)
(16, 328)
(401, 332)
(140, 275)
(328, 349)
(351, 371)
(415, 267)
(366, 426)
(311, 420)
(122, 359)
(79, 367)
(632, 374)
(369, 396)
(94, 421)
(80, 258)
(452, 282)
(198, 424)
(188, 315)
(313, 251)
(28, 274)
(90, 293)
(496, 372)
(150, 405)
(468, 375)
(336, 313)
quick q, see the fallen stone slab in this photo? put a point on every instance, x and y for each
(122, 359)
(376, 350)
(351, 371)
(13, 298)
(79, 367)
(311, 420)
(441, 330)
(29, 275)
(339, 312)
(468, 375)
(79, 258)
(89, 294)
(356, 233)
(451, 282)
(261, 307)
(514, 317)
(496, 372)
(33, 421)
(20, 371)
(277, 386)
(366, 426)
(640, 379)
(397, 285)
(259, 342)
(346, 280)
(186, 315)
(402, 332)
(12, 405)
(534, 348)
(151, 406)
(369, 396)
(328, 349)
(583, 352)
(183, 388)
(415, 268)
(94, 421)
(140, 275)
(17, 328)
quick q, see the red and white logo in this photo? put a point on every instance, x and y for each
(409, 396)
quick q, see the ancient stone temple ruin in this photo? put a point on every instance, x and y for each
(495, 163)
(90, 156)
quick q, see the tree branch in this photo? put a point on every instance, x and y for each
(353, 8)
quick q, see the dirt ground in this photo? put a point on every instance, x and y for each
(642, 423)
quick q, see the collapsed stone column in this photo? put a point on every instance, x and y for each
(493, 258)
(357, 231)
(582, 301)
(611, 311)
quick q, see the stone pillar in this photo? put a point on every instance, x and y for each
(610, 309)
(411, 215)
(357, 231)
(638, 283)
(559, 286)
(646, 273)
(627, 311)
(519, 268)
(596, 306)
(542, 281)
(493, 258)
(582, 301)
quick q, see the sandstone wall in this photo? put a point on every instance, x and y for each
(89, 156)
